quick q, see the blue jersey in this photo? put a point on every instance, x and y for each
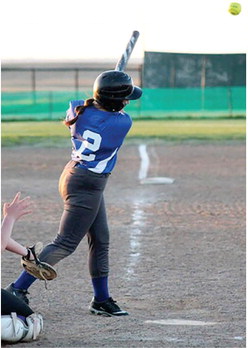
(97, 136)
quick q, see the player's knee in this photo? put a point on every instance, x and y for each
(100, 239)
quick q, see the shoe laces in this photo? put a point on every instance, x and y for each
(24, 291)
(113, 304)
(21, 291)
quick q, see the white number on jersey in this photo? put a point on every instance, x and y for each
(93, 146)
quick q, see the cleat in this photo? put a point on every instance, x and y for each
(20, 293)
(108, 308)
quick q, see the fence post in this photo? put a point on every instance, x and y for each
(140, 70)
(33, 85)
(203, 82)
(50, 96)
(229, 100)
(77, 82)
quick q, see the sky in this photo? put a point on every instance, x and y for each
(100, 29)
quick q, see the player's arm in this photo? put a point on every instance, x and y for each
(12, 212)
(71, 113)
(16, 247)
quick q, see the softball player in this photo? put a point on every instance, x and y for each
(98, 127)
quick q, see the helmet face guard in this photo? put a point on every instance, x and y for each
(112, 87)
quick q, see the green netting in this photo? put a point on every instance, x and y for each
(41, 105)
(168, 102)
(183, 70)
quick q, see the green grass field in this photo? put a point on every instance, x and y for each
(55, 133)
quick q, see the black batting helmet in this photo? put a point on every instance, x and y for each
(112, 87)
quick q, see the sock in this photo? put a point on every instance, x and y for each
(22, 318)
(24, 281)
(100, 286)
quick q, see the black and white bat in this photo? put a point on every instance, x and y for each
(122, 63)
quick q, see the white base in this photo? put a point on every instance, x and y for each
(157, 180)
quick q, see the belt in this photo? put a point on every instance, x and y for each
(81, 167)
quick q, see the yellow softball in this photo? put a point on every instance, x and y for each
(234, 8)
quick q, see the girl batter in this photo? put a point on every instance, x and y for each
(98, 128)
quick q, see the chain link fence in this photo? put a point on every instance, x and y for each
(43, 91)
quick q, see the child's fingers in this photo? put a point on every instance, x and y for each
(17, 197)
(24, 199)
(27, 212)
(25, 203)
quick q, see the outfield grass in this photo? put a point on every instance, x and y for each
(210, 129)
(54, 132)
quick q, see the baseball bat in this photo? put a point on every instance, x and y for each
(122, 62)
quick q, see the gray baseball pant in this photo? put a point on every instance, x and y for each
(84, 213)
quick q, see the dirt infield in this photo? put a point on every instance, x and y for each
(177, 251)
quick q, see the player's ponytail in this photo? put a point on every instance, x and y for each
(79, 110)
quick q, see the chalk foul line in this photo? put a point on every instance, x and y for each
(144, 166)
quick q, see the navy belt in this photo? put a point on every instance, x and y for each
(79, 165)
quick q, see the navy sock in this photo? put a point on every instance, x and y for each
(24, 281)
(22, 318)
(100, 286)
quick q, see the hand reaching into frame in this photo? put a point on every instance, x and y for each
(17, 207)
(11, 213)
